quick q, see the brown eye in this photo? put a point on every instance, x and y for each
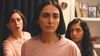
(71, 30)
(12, 21)
(55, 15)
(78, 30)
(45, 15)
(18, 19)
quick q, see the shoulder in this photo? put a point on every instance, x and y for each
(7, 44)
(8, 41)
(30, 41)
(71, 46)
(27, 33)
(68, 42)
(29, 44)
(95, 54)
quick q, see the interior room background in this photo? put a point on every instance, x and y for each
(27, 7)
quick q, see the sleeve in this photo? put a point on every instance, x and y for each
(7, 50)
(76, 51)
(95, 54)
(27, 35)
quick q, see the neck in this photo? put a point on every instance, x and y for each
(49, 38)
(78, 44)
(17, 34)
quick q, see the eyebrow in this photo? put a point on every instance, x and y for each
(50, 13)
(55, 14)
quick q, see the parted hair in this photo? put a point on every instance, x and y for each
(86, 45)
(40, 5)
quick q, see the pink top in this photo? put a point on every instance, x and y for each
(12, 47)
(64, 47)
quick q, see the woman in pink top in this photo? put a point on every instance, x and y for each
(12, 45)
(48, 27)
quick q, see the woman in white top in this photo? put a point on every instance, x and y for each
(15, 24)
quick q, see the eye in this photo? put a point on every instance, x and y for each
(55, 15)
(18, 19)
(12, 21)
(78, 30)
(45, 15)
(71, 30)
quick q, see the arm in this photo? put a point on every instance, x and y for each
(7, 50)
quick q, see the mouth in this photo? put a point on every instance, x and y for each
(17, 27)
(50, 27)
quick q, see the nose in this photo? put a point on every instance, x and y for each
(50, 20)
(74, 32)
(16, 22)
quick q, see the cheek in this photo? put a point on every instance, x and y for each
(42, 22)
(11, 27)
(77, 37)
(81, 35)
(21, 23)
(57, 22)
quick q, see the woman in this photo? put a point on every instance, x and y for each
(48, 28)
(78, 31)
(15, 23)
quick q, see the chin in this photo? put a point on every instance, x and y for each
(50, 31)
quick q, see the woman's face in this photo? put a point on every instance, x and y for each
(49, 19)
(16, 23)
(76, 32)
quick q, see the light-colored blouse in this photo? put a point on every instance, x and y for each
(95, 54)
(64, 47)
(12, 46)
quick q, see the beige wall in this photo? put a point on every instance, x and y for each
(69, 11)
(92, 2)
(94, 27)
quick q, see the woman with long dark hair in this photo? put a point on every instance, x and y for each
(78, 31)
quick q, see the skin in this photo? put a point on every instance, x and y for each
(76, 32)
(49, 20)
(15, 24)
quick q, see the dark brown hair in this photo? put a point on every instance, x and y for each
(7, 31)
(41, 4)
(16, 11)
(86, 45)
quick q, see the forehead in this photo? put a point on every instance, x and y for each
(50, 9)
(76, 25)
(15, 15)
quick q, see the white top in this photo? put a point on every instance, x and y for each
(12, 46)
